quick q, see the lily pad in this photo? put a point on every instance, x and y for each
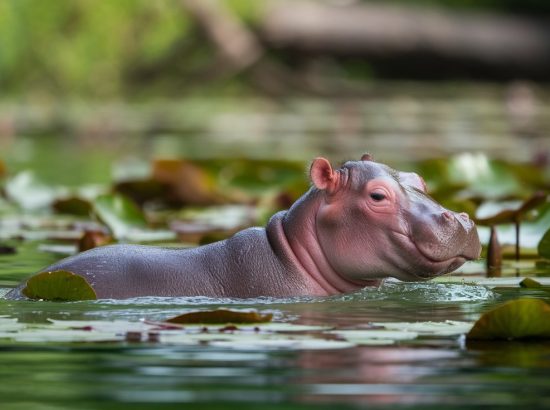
(72, 205)
(59, 285)
(544, 245)
(120, 214)
(518, 319)
(530, 283)
(221, 316)
(93, 239)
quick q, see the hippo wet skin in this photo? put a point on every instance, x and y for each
(356, 225)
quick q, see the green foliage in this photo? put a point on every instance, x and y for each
(83, 46)
(221, 316)
(517, 319)
(120, 214)
(58, 285)
(544, 245)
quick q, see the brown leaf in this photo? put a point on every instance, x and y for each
(72, 206)
(189, 184)
(514, 215)
(221, 316)
(93, 239)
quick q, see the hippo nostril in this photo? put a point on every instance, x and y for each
(448, 215)
(464, 216)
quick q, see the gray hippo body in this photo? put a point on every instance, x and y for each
(355, 226)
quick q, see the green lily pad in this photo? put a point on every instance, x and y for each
(59, 285)
(72, 205)
(530, 283)
(518, 319)
(120, 214)
(544, 245)
(221, 316)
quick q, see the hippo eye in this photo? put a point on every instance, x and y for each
(377, 196)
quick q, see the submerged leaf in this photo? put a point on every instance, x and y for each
(518, 319)
(119, 213)
(58, 285)
(221, 316)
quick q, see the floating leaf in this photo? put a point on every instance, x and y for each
(530, 283)
(375, 336)
(93, 239)
(29, 193)
(221, 316)
(433, 329)
(120, 214)
(142, 191)
(73, 206)
(544, 245)
(58, 285)
(518, 319)
(188, 183)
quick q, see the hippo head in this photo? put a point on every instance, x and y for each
(375, 222)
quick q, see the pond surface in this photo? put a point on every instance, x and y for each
(429, 372)
(421, 373)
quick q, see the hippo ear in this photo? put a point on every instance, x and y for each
(321, 173)
(367, 157)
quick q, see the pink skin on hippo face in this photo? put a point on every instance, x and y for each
(375, 222)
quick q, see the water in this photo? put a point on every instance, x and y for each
(422, 373)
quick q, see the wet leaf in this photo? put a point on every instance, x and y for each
(375, 337)
(221, 316)
(518, 319)
(120, 214)
(58, 285)
(530, 283)
(437, 329)
(544, 245)
(73, 206)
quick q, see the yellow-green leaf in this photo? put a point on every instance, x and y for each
(59, 285)
(221, 316)
(518, 319)
(529, 283)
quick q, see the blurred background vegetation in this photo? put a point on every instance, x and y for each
(142, 48)
(104, 83)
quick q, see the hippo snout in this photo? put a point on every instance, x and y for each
(447, 235)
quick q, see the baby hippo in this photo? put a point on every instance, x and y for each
(356, 225)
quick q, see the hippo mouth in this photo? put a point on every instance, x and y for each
(420, 264)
